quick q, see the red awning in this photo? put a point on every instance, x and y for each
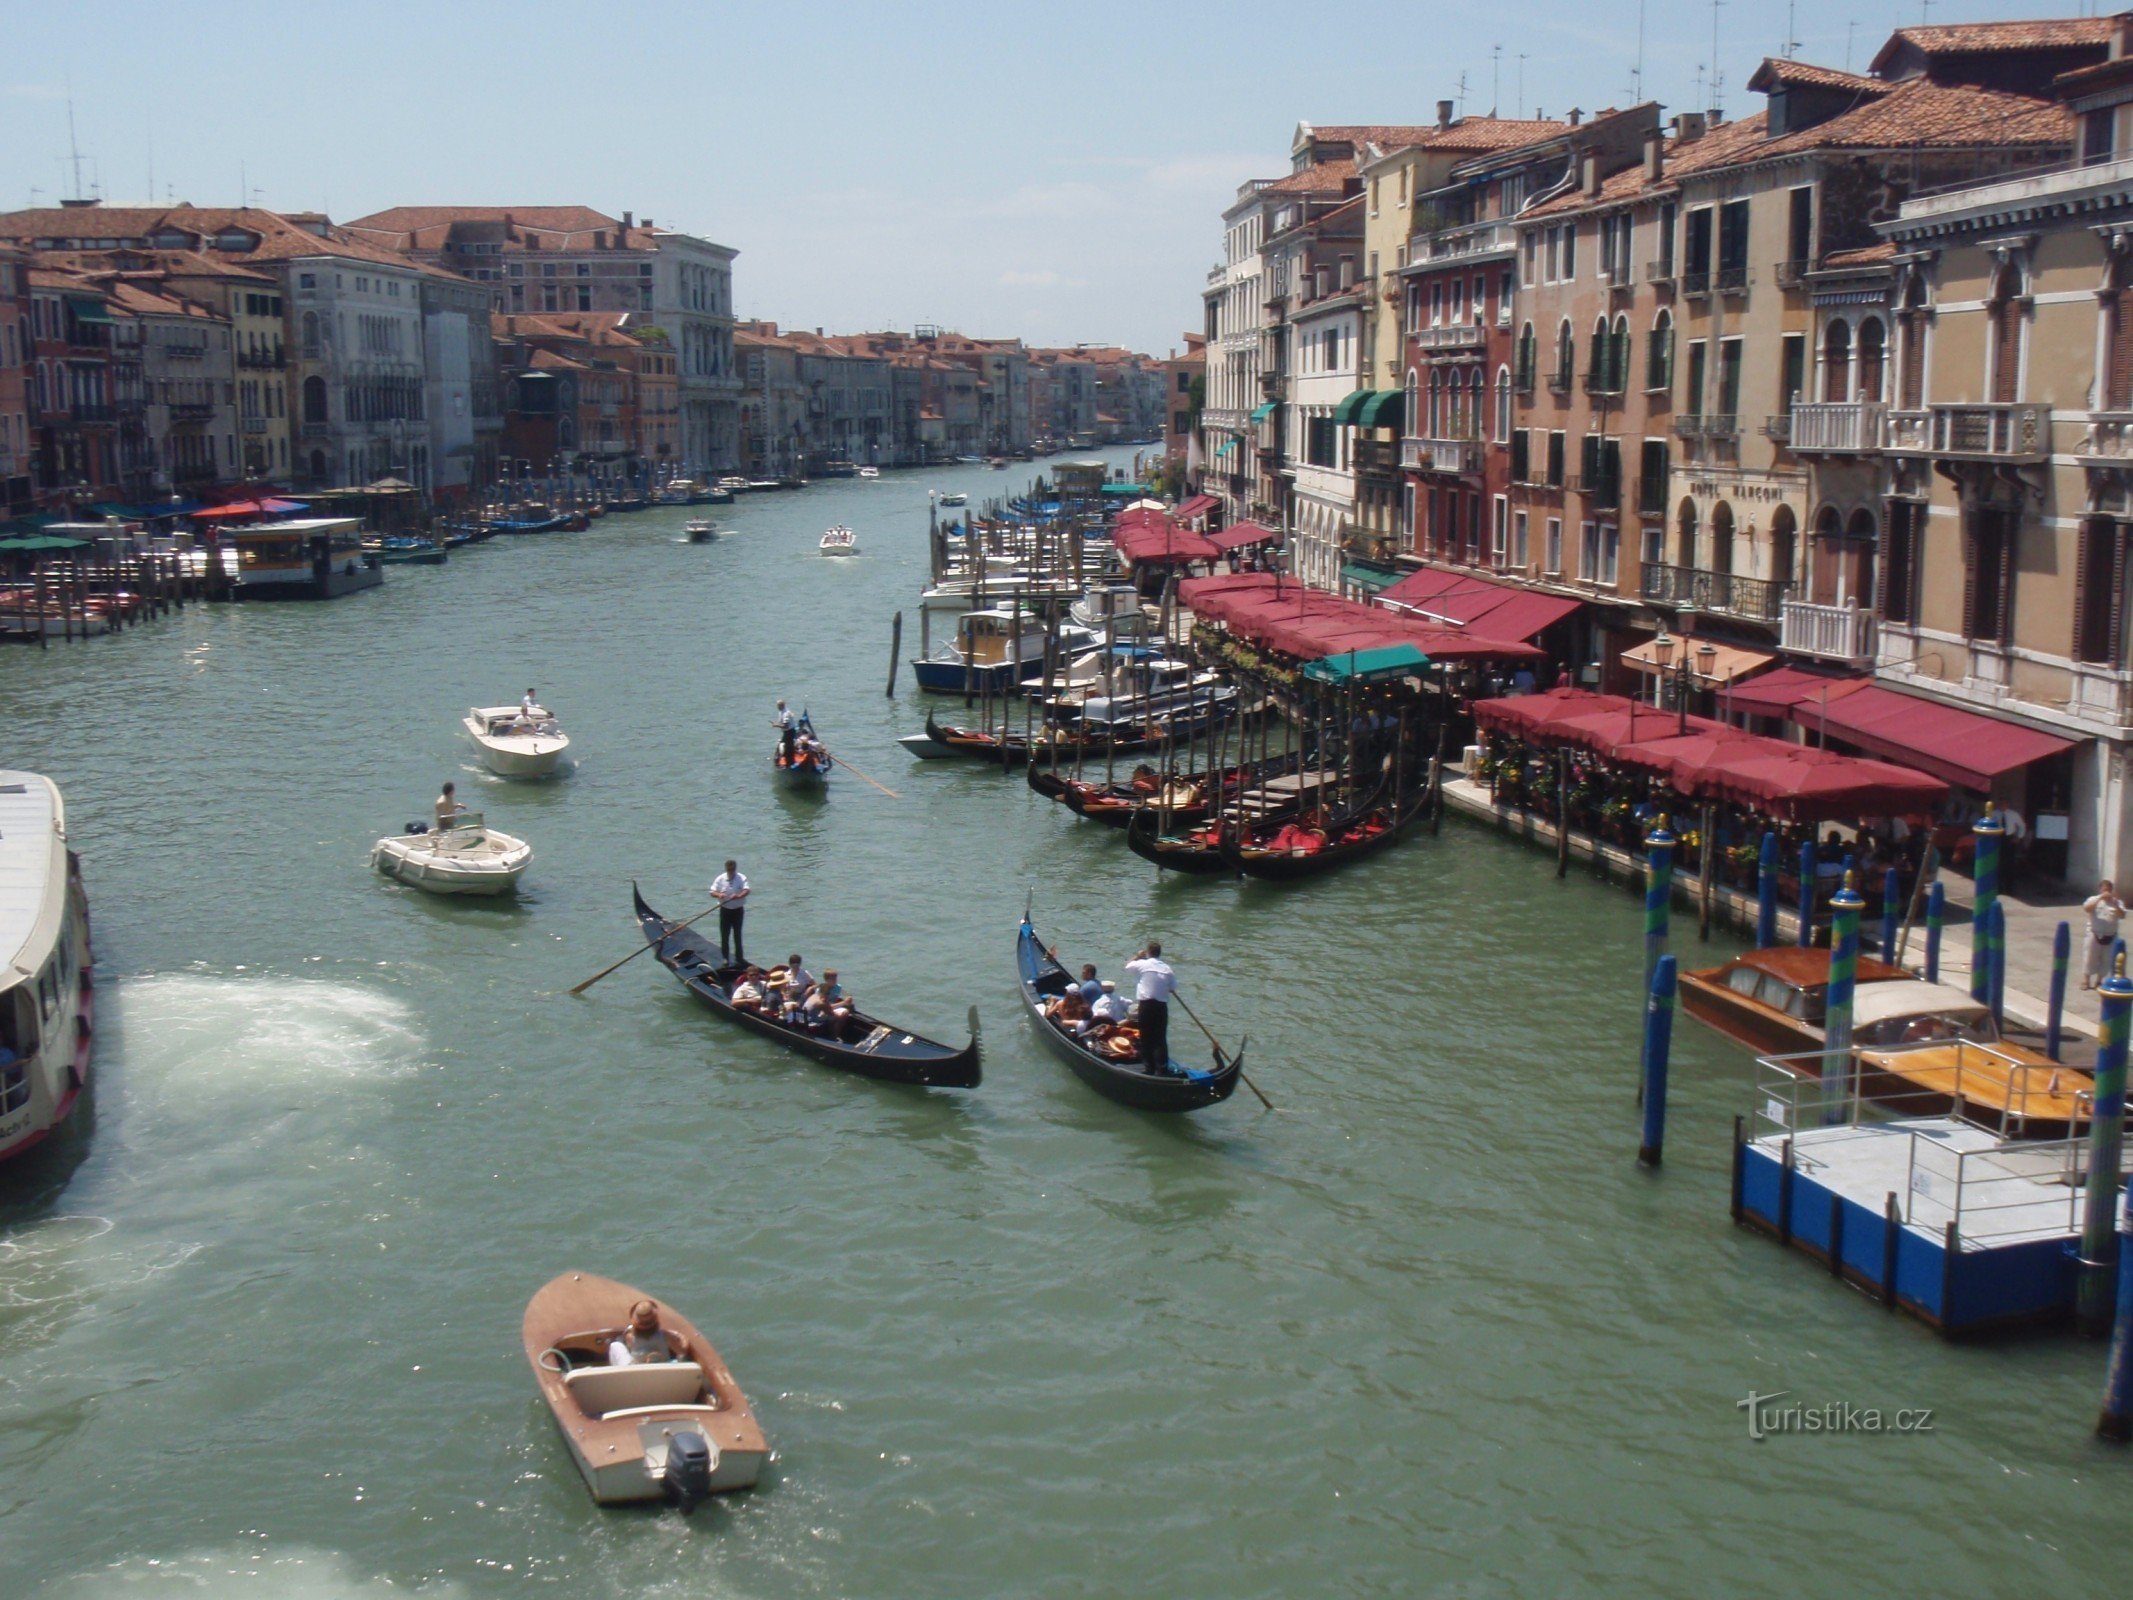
(1282, 614)
(1603, 732)
(1525, 714)
(247, 508)
(1196, 507)
(1964, 747)
(1160, 541)
(1806, 785)
(1238, 535)
(1497, 610)
(1775, 693)
(1683, 760)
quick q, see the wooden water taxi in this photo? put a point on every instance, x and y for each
(675, 1430)
(47, 990)
(515, 744)
(1772, 1000)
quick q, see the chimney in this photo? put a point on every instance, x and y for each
(627, 221)
(1347, 272)
(1654, 156)
(1589, 179)
(2122, 35)
(1713, 117)
(1688, 126)
(510, 227)
(1444, 115)
(1576, 116)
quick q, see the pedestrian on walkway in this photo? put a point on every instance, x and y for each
(730, 890)
(2105, 911)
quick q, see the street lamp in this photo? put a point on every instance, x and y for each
(1662, 657)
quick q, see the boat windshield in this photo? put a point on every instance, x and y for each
(466, 820)
(1969, 1025)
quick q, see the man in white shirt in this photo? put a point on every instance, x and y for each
(2106, 911)
(1110, 1006)
(787, 728)
(1152, 1004)
(730, 890)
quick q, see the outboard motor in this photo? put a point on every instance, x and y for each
(417, 828)
(690, 1460)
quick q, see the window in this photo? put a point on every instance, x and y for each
(1659, 353)
(1792, 369)
(1436, 305)
(1560, 378)
(1588, 552)
(2099, 135)
(1651, 477)
(1654, 544)
(2099, 585)
(1610, 552)
(1554, 564)
(1666, 238)
(1528, 358)
(1319, 442)
(1837, 360)
(1473, 529)
(1521, 456)
(1693, 398)
(1696, 252)
(1733, 245)
(1506, 285)
(1503, 404)
(1500, 549)
(1989, 572)
(1729, 362)
(1518, 539)
(1570, 251)
(1800, 229)
(1873, 356)
(1555, 460)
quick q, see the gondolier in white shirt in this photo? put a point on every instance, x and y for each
(730, 890)
(787, 727)
(1152, 1004)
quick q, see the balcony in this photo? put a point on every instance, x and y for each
(1522, 380)
(1732, 280)
(315, 430)
(2109, 440)
(253, 425)
(1973, 431)
(1378, 457)
(185, 352)
(1659, 272)
(1601, 494)
(1616, 274)
(1453, 336)
(1695, 285)
(191, 411)
(1700, 589)
(1456, 457)
(1485, 238)
(1559, 381)
(1652, 495)
(1602, 383)
(263, 360)
(1827, 633)
(1778, 429)
(1791, 274)
(2102, 694)
(1838, 426)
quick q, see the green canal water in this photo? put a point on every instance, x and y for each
(1425, 1329)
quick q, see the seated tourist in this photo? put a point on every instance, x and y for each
(1089, 985)
(1071, 1011)
(815, 1013)
(1110, 1006)
(748, 993)
(840, 1003)
(642, 1341)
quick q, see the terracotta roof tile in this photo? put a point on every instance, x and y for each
(1327, 177)
(280, 239)
(1776, 71)
(1969, 38)
(1871, 255)
(1919, 113)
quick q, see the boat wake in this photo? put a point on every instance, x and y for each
(196, 1039)
(52, 1269)
(288, 1574)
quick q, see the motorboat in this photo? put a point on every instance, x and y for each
(464, 857)
(398, 549)
(733, 483)
(870, 472)
(840, 541)
(1116, 606)
(995, 650)
(515, 743)
(955, 499)
(701, 530)
(47, 990)
(1773, 1000)
(673, 1430)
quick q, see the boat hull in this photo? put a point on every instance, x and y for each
(404, 861)
(38, 1094)
(533, 756)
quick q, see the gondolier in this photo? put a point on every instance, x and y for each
(1152, 1001)
(730, 890)
(787, 728)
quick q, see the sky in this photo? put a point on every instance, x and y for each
(1050, 172)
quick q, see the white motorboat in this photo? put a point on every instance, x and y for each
(840, 541)
(955, 499)
(701, 530)
(870, 472)
(734, 484)
(515, 745)
(47, 995)
(467, 857)
(1119, 605)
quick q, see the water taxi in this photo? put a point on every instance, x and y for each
(955, 499)
(870, 472)
(840, 541)
(46, 992)
(308, 558)
(672, 1429)
(514, 744)
(701, 530)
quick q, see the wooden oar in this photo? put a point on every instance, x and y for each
(863, 778)
(1219, 1051)
(640, 950)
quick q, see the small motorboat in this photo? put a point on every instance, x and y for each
(514, 745)
(733, 483)
(1111, 1064)
(955, 499)
(701, 530)
(673, 1430)
(840, 541)
(860, 1044)
(466, 858)
(397, 549)
(870, 472)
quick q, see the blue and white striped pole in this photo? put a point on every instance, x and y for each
(1766, 893)
(1936, 920)
(2055, 1017)
(1807, 893)
(1996, 947)
(1658, 1042)
(1891, 892)
(1986, 876)
(2094, 1296)
(1658, 894)
(1844, 909)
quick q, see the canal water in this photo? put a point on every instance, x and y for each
(1425, 1328)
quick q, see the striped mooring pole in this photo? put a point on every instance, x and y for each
(1807, 893)
(1936, 920)
(2095, 1295)
(2055, 1017)
(2115, 1424)
(1844, 910)
(1658, 895)
(1766, 893)
(1891, 891)
(1986, 876)
(1658, 1043)
(1996, 953)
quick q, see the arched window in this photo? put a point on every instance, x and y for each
(1722, 537)
(1685, 534)
(1911, 324)
(1659, 353)
(1528, 357)
(1436, 403)
(315, 399)
(1596, 358)
(1837, 360)
(1564, 354)
(1414, 395)
(1503, 405)
(1784, 545)
(1477, 407)
(1618, 359)
(1873, 354)
(311, 344)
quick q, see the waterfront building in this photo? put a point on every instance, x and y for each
(16, 477)
(1070, 378)
(183, 396)
(541, 259)
(1184, 389)
(251, 301)
(73, 437)
(773, 409)
(1313, 361)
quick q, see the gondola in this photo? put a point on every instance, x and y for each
(802, 769)
(870, 1047)
(1197, 851)
(1130, 1083)
(1280, 855)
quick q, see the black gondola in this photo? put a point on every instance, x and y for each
(870, 1047)
(1360, 833)
(1130, 1083)
(803, 768)
(1195, 852)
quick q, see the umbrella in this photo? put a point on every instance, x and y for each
(1685, 760)
(249, 508)
(1809, 785)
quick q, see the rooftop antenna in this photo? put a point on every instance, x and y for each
(1792, 28)
(1850, 28)
(1462, 91)
(1636, 73)
(73, 145)
(1495, 77)
(1718, 78)
(1521, 84)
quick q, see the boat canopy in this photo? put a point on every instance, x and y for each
(1369, 666)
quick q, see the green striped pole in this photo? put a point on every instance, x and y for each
(1658, 896)
(2096, 1298)
(1985, 874)
(1844, 909)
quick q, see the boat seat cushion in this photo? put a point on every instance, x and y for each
(599, 1390)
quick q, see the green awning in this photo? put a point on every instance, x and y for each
(1348, 409)
(1368, 577)
(87, 308)
(1226, 447)
(1123, 489)
(1366, 666)
(40, 541)
(1381, 410)
(1262, 411)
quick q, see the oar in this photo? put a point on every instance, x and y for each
(1219, 1051)
(640, 950)
(863, 778)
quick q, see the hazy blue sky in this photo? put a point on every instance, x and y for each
(1053, 172)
